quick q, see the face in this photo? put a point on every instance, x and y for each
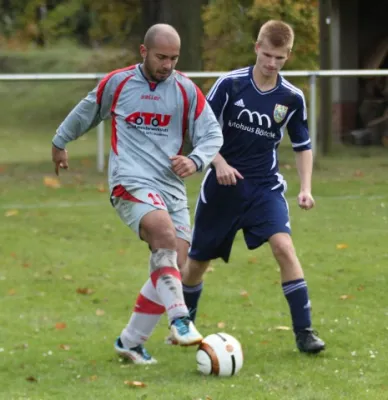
(160, 60)
(270, 59)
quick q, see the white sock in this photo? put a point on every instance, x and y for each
(146, 314)
(166, 278)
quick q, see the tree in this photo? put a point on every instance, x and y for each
(185, 16)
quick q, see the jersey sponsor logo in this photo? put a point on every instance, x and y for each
(239, 103)
(150, 97)
(279, 112)
(149, 119)
(255, 117)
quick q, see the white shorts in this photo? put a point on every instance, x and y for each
(133, 206)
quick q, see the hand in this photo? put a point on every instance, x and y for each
(60, 159)
(305, 200)
(227, 175)
(183, 166)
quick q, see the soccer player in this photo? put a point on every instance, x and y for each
(243, 190)
(151, 106)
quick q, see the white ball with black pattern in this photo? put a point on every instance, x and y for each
(219, 354)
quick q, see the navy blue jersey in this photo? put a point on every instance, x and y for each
(253, 122)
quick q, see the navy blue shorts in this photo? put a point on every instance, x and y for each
(260, 210)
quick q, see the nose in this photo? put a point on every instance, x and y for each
(272, 62)
(167, 65)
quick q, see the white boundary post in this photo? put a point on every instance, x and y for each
(313, 113)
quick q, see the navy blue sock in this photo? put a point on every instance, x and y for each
(192, 295)
(298, 299)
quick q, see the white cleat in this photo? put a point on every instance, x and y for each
(138, 354)
(184, 333)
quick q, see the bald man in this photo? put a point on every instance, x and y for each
(151, 106)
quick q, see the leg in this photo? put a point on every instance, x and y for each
(268, 220)
(296, 293)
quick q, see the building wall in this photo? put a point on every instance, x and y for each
(357, 29)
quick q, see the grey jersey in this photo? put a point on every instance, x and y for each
(149, 122)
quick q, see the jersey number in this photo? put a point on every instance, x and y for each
(156, 199)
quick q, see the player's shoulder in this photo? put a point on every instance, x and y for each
(240, 74)
(292, 89)
(119, 74)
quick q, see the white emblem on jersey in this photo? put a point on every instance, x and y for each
(240, 103)
(258, 116)
(279, 112)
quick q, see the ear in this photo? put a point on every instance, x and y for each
(257, 46)
(143, 51)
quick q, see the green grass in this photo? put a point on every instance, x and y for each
(50, 249)
(55, 241)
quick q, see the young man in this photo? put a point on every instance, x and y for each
(151, 106)
(244, 189)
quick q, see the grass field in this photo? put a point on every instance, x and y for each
(70, 272)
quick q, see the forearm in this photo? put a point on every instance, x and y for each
(304, 165)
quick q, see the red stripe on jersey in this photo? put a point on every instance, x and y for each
(147, 306)
(119, 191)
(201, 101)
(185, 113)
(104, 81)
(113, 138)
(164, 271)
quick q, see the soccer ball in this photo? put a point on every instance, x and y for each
(219, 354)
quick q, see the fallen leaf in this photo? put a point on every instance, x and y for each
(60, 325)
(93, 378)
(282, 328)
(264, 342)
(51, 182)
(100, 312)
(101, 188)
(208, 398)
(221, 325)
(11, 213)
(122, 251)
(361, 288)
(26, 265)
(2, 169)
(358, 173)
(346, 296)
(252, 260)
(13, 255)
(210, 269)
(85, 291)
(65, 347)
(68, 278)
(11, 292)
(244, 293)
(287, 166)
(31, 379)
(341, 246)
(135, 384)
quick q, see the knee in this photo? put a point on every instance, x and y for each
(193, 271)
(163, 237)
(283, 249)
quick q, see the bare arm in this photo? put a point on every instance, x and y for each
(304, 165)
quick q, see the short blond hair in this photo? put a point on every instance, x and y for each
(278, 33)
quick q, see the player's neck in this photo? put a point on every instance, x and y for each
(264, 83)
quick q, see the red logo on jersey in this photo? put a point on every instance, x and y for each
(144, 118)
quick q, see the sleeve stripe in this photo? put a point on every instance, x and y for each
(234, 74)
(104, 81)
(294, 145)
(201, 101)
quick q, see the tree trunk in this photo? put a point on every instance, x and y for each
(185, 17)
